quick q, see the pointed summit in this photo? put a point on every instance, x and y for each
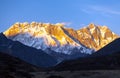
(59, 38)
(92, 25)
(46, 35)
(95, 36)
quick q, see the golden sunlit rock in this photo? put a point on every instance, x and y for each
(92, 36)
(96, 37)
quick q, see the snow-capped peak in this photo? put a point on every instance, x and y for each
(61, 39)
(46, 35)
(95, 36)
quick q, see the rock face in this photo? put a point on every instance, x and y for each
(96, 37)
(44, 36)
(59, 38)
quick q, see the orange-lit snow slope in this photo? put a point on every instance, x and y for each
(59, 38)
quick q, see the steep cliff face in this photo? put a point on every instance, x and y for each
(45, 35)
(96, 37)
(59, 38)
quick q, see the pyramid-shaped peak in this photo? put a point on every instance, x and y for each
(92, 25)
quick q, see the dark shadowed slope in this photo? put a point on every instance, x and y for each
(28, 54)
(12, 64)
(106, 58)
(11, 67)
(109, 49)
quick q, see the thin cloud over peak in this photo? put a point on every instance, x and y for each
(66, 23)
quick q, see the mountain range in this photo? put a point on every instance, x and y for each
(53, 45)
(59, 38)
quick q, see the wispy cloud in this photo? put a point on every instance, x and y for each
(83, 24)
(66, 23)
(107, 11)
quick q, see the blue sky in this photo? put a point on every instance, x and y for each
(74, 13)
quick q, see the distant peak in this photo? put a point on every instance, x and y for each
(56, 35)
(92, 25)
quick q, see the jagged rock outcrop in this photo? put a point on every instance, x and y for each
(93, 36)
(59, 38)
(45, 35)
(96, 37)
